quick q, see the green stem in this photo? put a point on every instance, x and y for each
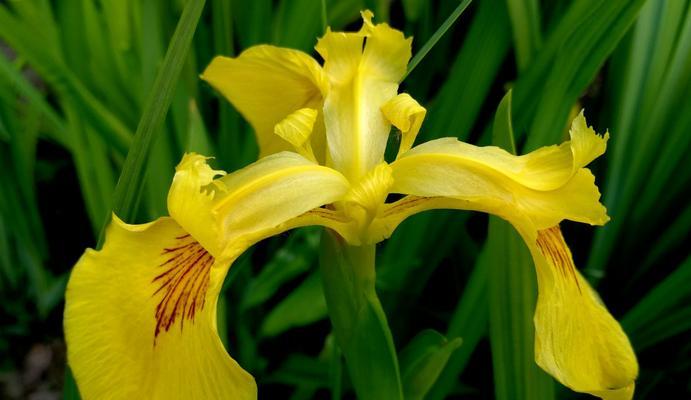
(359, 322)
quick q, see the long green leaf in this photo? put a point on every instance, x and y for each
(455, 110)
(525, 21)
(47, 60)
(643, 322)
(569, 59)
(469, 321)
(302, 306)
(631, 164)
(422, 360)
(512, 296)
(129, 184)
(436, 36)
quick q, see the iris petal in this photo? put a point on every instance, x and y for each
(266, 84)
(364, 69)
(231, 213)
(577, 340)
(407, 115)
(140, 319)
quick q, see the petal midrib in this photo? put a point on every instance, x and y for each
(359, 169)
(261, 181)
(485, 167)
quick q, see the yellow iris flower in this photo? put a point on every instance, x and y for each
(140, 318)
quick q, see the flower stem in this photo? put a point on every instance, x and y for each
(359, 322)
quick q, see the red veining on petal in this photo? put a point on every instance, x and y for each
(181, 283)
(551, 243)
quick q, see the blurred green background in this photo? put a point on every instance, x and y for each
(75, 76)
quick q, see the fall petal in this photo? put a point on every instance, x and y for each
(140, 319)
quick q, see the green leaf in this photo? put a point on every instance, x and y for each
(502, 134)
(131, 179)
(84, 151)
(412, 9)
(335, 367)
(32, 39)
(252, 21)
(469, 321)
(301, 307)
(299, 369)
(291, 260)
(654, 98)
(160, 165)
(525, 21)
(297, 23)
(59, 132)
(674, 235)
(4, 133)
(197, 137)
(512, 292)
(568, 61)
(656, 314)
(472, 73)
(422, 360)
(70, 390)
(436, 36)
(230, 130)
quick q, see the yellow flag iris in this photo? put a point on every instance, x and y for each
(140, 313)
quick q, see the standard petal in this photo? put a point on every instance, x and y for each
(488, 179)
(251, 203)
(140, 319)
(407, 115)
(576, 339)
(266, 84)
(364, 69)
(297, 128)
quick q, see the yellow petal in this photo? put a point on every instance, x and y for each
(266, 84)
(576, 339)
(489, 179)
(366, 197)
(140, 319)
(546, 168)
(190, 200)
(251, 203)
(586, 144)
(296, 129)
(362, 80)
(407, 115)
(390, 215)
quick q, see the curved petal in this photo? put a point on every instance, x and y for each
(296, 129)
(407, 115)
(362, 79)
(250, 204)
(366, 198)
(546, 168)
(492, 180)
(191, 198)
(266, 84)
(140, 319)
(576, 339)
